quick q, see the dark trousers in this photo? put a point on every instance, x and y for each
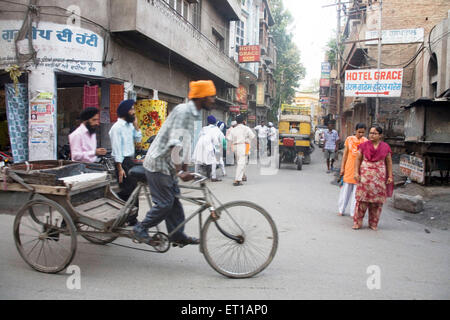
(128, 185)
(164, 190)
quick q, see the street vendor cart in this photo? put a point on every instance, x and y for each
(427, 140)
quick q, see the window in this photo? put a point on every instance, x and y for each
(181, 6)
(239, 34)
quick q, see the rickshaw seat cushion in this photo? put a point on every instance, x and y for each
(138, 172)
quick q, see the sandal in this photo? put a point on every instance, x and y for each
(244, 179)
(237, 183)
(356, 227)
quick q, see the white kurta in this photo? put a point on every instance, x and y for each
(238, 137)
(204, 152)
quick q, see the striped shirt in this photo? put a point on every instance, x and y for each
(177, 131)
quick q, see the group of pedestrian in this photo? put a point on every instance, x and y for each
(267, 135)
(366, 170)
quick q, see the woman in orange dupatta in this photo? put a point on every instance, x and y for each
(348, 189)
(373, 172)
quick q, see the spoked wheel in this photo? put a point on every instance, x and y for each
(45, 236)
(242, 242)
(96, 238)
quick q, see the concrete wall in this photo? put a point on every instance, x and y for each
(161, 24)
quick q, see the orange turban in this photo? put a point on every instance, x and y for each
(201, 89)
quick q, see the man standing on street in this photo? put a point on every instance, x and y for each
(83, 140)
(272, 138)
(164, 163)
(262, 131)
(331, 145)
(239, 137)
(123, 134)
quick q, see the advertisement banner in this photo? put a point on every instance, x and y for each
(234, 109)
(17, 115)
(150, 115)
(384, 83)
(241, 94)
(249, 54)
(260, 94)
(324, 82)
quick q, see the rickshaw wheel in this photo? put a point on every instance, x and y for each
(42, 239)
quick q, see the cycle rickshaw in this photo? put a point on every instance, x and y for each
(238, 239)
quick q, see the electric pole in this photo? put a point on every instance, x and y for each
(338, 82)
(377, 101)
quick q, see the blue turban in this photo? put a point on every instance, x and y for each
(211, 120)
(124, 107)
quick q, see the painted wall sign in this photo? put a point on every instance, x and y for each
(396, 36)
(373, 82)
(58, 46)
(249, 54)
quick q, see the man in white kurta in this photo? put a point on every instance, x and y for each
(238, 137)
(209, 148)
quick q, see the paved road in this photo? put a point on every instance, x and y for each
(319, 255)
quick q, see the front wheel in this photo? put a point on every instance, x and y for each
(242, 242)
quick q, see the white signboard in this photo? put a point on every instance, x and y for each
(396, 36)
(58, 46)
(383, 83)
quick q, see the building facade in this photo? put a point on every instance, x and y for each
(256, 89)
(406, 34)
(81, 53)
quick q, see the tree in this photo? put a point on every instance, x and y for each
(331, 51)
(289, 70)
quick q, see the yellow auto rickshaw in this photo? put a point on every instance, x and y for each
(295, 139)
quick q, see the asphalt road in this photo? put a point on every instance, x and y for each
(319, 256)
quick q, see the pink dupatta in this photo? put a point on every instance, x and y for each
(373, 155)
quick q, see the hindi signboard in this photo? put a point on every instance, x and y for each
(324, 82)
(384, 83)
(325, 70)
(412, 167)
(396, 36)
(249, 54)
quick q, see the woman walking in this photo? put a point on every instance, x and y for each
(348, 189)
(373, 172)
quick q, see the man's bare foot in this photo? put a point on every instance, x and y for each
(340, 214)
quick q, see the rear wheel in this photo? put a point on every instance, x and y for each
(299, 163)
(242, 242)
(45, 235)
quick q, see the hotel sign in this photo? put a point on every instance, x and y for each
(249, 54)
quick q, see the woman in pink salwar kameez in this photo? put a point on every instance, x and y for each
(373, 173)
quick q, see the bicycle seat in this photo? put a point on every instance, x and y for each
(138, 173)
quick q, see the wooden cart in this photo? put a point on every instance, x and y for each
(66, 198)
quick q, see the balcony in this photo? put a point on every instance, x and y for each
(157, 30)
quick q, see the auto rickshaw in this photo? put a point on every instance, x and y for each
(295, 139)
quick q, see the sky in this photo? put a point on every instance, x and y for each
(313, 27)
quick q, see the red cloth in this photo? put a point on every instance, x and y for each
(374, 155)
(116, 93)
(90, 97)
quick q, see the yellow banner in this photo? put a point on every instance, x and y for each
(150, 115)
